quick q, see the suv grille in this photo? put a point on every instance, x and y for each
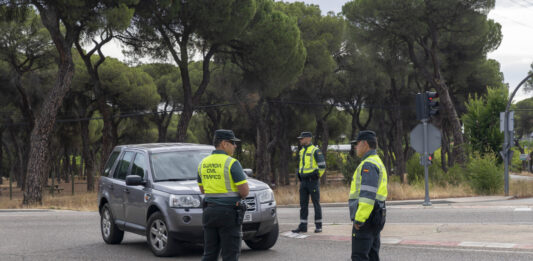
(251, 204)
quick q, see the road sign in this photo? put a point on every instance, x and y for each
(417, 138)
(510, 121)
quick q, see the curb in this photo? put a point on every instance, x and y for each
(414, 202)
(466, 244)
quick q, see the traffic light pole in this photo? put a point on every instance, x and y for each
(507, 137)
(426, 156)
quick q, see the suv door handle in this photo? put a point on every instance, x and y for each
(127, 190)
(110, 186)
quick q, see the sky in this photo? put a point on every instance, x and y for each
(515, 53)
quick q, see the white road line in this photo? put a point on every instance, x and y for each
(523, 209)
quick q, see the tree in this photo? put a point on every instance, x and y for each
(26, 47)
(424, 27)
(181, 28)
(322, 36)
(65, 21)
(271, 55)
(166, 78)
(99, 32)
(482, 128)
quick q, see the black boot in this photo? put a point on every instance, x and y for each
(301, 229)
(318, 227)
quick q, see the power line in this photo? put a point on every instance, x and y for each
(202, 107)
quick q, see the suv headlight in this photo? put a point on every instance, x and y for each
(184, 201)
(265, 196)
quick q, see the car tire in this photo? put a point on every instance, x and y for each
(158, 236)
(110, 231)
(265, 241)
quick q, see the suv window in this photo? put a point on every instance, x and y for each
(177, 165)
(123, 165)
(110, 162)
(139, 165)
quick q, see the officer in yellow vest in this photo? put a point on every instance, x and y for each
(311, 167)
(222, 180)
(368, 192)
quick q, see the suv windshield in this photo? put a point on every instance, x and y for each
(177, 165)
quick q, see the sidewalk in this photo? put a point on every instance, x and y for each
(499, 236)
(451, 235)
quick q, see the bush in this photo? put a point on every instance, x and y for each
(349, 168)
(415, 171)
(436, 176)
(333, 160)
(485, 177)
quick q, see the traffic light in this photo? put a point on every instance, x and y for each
(426, 105)
(432, 103)
(423, 159)
(421, 106)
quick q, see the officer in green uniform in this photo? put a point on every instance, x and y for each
(368, 192)
(311, 167)
(222, 180)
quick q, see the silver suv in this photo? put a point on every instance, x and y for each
(151, 190)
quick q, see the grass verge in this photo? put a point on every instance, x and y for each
(284, 195)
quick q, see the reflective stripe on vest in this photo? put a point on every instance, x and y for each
(307, 163)
(381, 191)
(215, 171)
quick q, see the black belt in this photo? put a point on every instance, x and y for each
(209, 204)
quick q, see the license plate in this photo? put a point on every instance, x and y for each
(247, 217)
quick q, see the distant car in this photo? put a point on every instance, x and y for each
(151, 190)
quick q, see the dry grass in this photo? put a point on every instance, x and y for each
(81, 201)
(521, 189)
(284, 195)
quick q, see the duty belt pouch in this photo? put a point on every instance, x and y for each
(240, 209)
(378, 216)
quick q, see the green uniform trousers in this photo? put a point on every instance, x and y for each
(221, 233)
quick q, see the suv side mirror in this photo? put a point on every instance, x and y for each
(134, 180)
(248, 172)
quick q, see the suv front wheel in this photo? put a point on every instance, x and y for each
(265, 241)
(110, 232)
(158, 236)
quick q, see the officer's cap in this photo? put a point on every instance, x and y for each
(225, 135)
(367, 135)
(305, 134)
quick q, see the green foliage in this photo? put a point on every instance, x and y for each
(335, 160)
(415, 171)
(349, 168)
(484, 175)
(481, 121)
(523, 117)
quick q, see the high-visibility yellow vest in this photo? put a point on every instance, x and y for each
(366, 205)
(307, 161)
(216, 176)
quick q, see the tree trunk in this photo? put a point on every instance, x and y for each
(262, 155)
(45, 121)
(448, 108)
(86, 154)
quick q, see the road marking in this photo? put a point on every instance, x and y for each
(523, 209)
(294, 235)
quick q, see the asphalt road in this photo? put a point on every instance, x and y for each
(71, 235)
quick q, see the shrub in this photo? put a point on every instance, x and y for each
(415, 171)
(485, 177)
(349, 167)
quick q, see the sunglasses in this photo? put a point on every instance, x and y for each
(231, 141)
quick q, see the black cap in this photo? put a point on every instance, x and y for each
(305, 134)
(365, 135)
(225, 135)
